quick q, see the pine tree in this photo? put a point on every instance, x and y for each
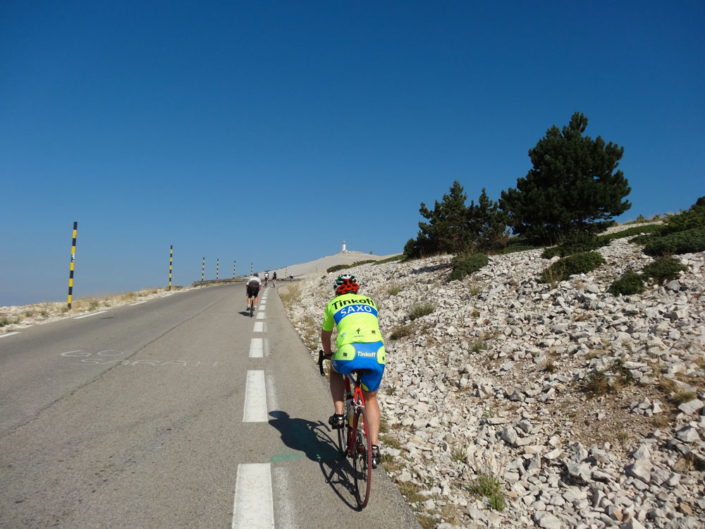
(487, 223)
(454, 228)
(446, 230)
(572, 189)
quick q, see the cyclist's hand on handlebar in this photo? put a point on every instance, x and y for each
(321, 357)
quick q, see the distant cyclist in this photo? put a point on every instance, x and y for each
(274, 279)
(253, 286)
(291, 277)
(360, 347)
(266, 279)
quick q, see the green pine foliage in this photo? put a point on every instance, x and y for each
(465, 267)
(454, 228)
(578, 243)
(687, 220)
(629, 284)
(346, 266)
(390, 259)
(487, 224)
(689, 241)
(664, 269)
(580, 263)
(682, 233)
(572, 188)
(446, 230)
(630, 232)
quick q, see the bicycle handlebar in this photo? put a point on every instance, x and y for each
(321, 358)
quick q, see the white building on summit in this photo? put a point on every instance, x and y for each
(345, 249)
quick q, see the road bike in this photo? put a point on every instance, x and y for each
(354, 440)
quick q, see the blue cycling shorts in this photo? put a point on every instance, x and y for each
(370, 358)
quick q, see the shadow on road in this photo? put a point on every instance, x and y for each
(313, 440)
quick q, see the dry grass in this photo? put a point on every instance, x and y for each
(410, 491)
(291, 295)
(391, 442)
(401, 332)
(38, 312)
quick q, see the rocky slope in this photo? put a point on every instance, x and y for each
(521, 404)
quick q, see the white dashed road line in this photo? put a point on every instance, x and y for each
(253, 507)
(8, 334)
(89, 315)
(261, 315)
(256, 349)
(259, 326)
(255, 398)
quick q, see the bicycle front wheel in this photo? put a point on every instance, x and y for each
(362, 459)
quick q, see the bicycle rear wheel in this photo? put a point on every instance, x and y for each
(362, 459)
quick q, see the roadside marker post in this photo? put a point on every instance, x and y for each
(250, 269)
(216, 269)
(73, 262)
(171, 261)
(203, 269)
(234, 265)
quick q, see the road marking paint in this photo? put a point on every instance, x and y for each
(253, 507)
(89, 315)
(266, 353)
(272, 401)
(261, 315)
(256, 349)
(8, 334)
(255, 398)
(138, 303)
(259, 326)
(282, 484)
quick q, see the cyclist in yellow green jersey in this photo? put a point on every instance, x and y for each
(360, 347)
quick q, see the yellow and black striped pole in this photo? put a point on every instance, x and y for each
(234, 265)
(250, 269)
(73, 262)
(216, 268)
(171, 260)
(203, 269)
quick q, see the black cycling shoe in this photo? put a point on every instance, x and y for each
(375, 456)
(336, 421)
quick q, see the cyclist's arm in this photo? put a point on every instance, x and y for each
(325, 342)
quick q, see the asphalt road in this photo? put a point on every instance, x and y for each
(179, 412)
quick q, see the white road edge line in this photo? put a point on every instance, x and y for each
(255, 398)
(256, 349)
(138, 303)
(259, 326)
(261, 315)
(89, 315)
(253, 507)
(8, 334)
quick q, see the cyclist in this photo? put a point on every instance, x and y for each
(291, 277)
(266, 279)
(360, 347)
(253, 286)
(274, 278)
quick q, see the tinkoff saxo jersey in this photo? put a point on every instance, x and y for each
(356, 318)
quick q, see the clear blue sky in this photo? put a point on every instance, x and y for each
(269, 131)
